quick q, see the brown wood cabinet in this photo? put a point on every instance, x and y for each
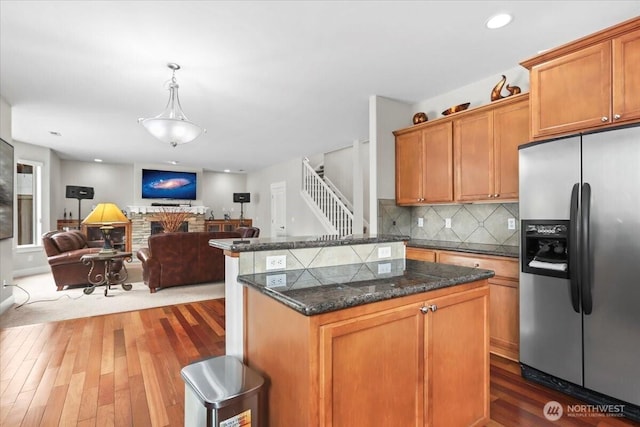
(424, 165)
(412, 361)
(486, 151)
(225, 225)
(120, 235)
(590, 83)
(468, 157)
(504, 294)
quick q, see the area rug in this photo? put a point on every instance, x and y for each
(37, 301)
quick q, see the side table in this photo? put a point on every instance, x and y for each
(110, 277)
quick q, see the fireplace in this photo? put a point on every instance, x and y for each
(156, 227)
(143, 217)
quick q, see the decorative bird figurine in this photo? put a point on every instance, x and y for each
(495, 92)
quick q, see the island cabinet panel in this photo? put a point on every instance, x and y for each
(424, 165)
(418, 360)
(371, 369)
(590, 83)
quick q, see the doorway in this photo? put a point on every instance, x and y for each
(278, 209)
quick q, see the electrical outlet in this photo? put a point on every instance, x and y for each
(511, 223)
(420, 222)
(276, 262)
(384, 252)
(447, 223)
(276, 280)
(384, 268)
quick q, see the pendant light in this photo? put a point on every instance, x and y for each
(172, 126)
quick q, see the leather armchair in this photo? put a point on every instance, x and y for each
(64, 250)
(248, 232)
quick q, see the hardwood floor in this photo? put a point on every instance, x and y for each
(124, 370)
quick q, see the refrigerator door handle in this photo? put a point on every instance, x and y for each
(585, 264)
(574, 249)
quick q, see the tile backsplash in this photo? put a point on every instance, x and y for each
(471, 223)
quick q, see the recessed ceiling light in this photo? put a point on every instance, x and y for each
(55, 133)
(227, 170)
(173, 162)
(498, 21)
(97, 160)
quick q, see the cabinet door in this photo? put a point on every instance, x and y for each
(438, 163)
(457, 360)
(504, 318)
(409, 159)
(572, 92)
(473, 151)
(510, 128)
(371, 370)
(626, 78)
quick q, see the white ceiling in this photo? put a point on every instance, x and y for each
(269, 80)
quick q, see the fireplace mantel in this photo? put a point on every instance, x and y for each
(198, 210)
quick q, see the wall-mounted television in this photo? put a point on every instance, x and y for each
(159, 184)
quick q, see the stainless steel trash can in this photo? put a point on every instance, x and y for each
(221, 392)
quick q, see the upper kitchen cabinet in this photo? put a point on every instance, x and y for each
(486, 150)
(424, 164)
(587, 84)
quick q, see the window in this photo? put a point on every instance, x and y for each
(29, 192)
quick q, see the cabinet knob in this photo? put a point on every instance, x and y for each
(489, 195)
(616, 116)
(604, 119)
(424, 310)
(433, 307)
(476, 265)
(496, 195)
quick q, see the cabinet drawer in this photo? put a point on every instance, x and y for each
(503, 267)
(419, 254)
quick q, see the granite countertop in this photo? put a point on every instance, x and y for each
(297, 242)
(475, 248)
(321, 290)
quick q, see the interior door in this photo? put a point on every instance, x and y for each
(611, 344)
(278, 209)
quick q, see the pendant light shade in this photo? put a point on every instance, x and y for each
(172, 125)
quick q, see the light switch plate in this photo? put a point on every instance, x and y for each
(420, 222)
(511, 223)
(447, 223)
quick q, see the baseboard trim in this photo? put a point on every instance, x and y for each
(8, 302)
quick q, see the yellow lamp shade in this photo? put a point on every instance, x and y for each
(105, 213)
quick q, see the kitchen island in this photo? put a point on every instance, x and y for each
(377, 342)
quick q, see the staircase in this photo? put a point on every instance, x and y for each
(326, 201)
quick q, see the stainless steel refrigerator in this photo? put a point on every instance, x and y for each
(580, 265)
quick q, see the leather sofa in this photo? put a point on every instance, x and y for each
(248, 232)
(175, 259)
(64, 250)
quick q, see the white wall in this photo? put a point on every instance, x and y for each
(6, 245)
(217, 194)
(300, 220)
(477, 93)
(338, 167)
(111, 183)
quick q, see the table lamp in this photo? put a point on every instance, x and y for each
(106, 214)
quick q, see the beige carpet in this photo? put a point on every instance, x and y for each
(45, 304)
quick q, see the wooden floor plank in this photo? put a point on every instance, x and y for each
(124, 369)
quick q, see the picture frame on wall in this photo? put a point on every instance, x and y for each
(6, 189)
